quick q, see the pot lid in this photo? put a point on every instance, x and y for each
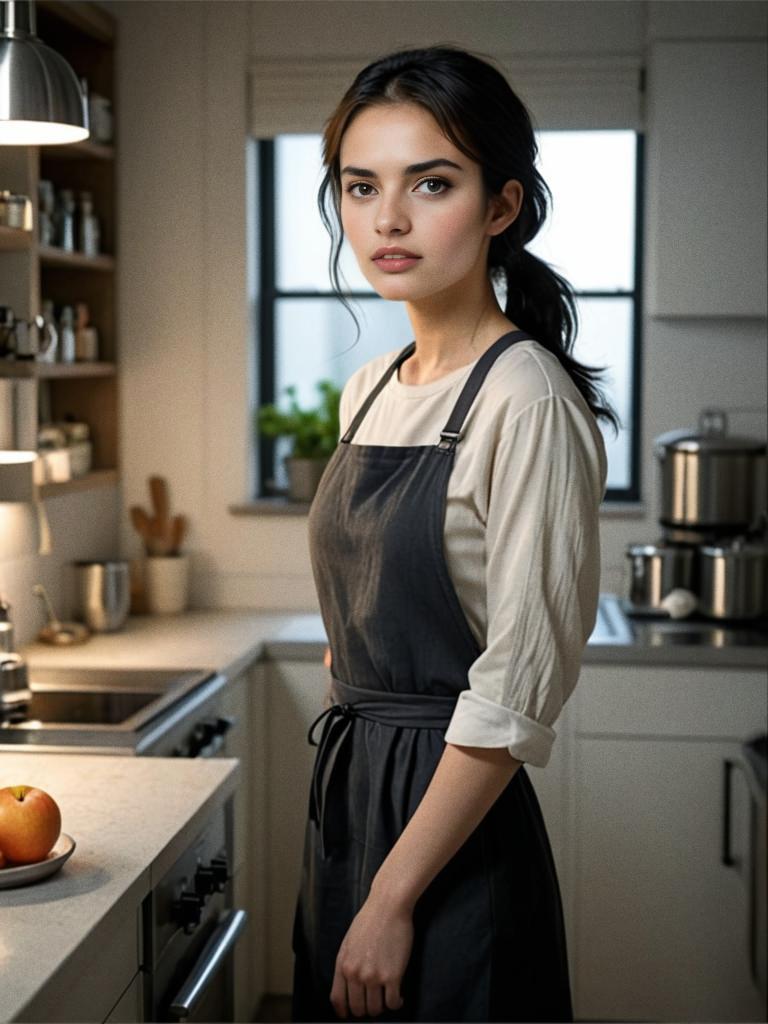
(749, 549)
(688, 440)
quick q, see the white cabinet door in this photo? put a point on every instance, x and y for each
(660, 923)
(295, 692)
(706, 178)
(660, 920)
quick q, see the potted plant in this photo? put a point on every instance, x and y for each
(315, 433)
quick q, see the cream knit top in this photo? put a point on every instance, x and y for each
(521, 533)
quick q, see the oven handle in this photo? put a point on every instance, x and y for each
(211, 958)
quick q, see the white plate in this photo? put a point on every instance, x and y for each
(26, 874)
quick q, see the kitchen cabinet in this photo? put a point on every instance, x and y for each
(102, 975)
(706, 178)
(244, 701)
(30, 272)
(294, 691)
(659, 924)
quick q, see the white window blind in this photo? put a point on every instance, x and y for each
(561, 93)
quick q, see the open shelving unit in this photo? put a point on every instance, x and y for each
(85, 35)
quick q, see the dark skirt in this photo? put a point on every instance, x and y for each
(489, 936)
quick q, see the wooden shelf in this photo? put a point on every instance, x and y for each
(55, 371)
(85, 35)
(50, 256)
(97, 478)
(81, 16)
(14, 239)
(78, 150)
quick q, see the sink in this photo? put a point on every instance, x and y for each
(112, 680)
(103, 707)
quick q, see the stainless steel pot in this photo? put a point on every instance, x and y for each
(733, 580)
(655, 569)
(710, 480)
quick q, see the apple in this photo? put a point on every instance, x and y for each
(30, 823)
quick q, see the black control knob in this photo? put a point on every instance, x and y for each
(205, 881)
(187, 910)
(201, 737)
(220, 869)
(223, 724)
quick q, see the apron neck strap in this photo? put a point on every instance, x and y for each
(407, 351)
(451, 433)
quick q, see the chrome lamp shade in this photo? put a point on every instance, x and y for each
(41, 99)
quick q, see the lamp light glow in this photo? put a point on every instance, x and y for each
(41, 99)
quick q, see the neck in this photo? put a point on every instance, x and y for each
(454, 328)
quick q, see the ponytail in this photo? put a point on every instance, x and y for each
(543, 304)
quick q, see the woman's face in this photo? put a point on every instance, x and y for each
(413, 206)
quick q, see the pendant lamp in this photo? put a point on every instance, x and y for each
(41, 100)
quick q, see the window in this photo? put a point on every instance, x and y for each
(592, 238)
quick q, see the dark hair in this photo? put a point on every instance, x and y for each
(478, 111)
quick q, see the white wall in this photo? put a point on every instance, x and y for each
(185, 333)
(182, 95)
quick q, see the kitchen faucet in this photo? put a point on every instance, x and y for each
(15, 694)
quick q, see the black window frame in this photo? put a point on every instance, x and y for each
(270, 295)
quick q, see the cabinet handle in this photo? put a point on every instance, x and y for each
(727, 857)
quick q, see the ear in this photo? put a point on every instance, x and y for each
(504, 208)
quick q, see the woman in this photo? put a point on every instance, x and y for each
(454, 545)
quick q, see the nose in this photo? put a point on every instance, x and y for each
(391, 217)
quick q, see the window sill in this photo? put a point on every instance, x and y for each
(272, 506)
(622, 510)
(282, 506)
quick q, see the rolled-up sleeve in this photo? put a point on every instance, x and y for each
(542, 579)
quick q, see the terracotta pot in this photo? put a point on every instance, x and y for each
(304, 476)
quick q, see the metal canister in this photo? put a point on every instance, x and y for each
(104, 593)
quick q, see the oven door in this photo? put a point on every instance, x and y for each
(191, 928)
(207, 992)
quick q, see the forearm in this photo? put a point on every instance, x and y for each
(465, 785)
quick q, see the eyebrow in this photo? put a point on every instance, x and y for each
(427, 165)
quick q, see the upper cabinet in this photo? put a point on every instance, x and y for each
(43, 271)
(706, 187)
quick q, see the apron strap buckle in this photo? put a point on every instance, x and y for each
(449, 439)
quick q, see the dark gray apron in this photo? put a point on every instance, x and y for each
(489, 937)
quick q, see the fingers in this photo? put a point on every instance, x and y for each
(327, 657)
(356, 997)
(349, 996)
(392, 996)
(339, 995)
(374, 999)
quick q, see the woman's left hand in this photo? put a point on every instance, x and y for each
(372, 959)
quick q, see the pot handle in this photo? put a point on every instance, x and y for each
(713, 422)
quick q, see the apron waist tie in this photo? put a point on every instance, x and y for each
(407, 710)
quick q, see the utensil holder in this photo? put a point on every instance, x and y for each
(166, 581)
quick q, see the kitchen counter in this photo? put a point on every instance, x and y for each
(130, 818)
(228, 640)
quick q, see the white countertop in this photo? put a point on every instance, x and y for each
(121, 851)
(226, 640)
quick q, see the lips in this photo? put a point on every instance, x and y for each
(391, 252)
(392, 260)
